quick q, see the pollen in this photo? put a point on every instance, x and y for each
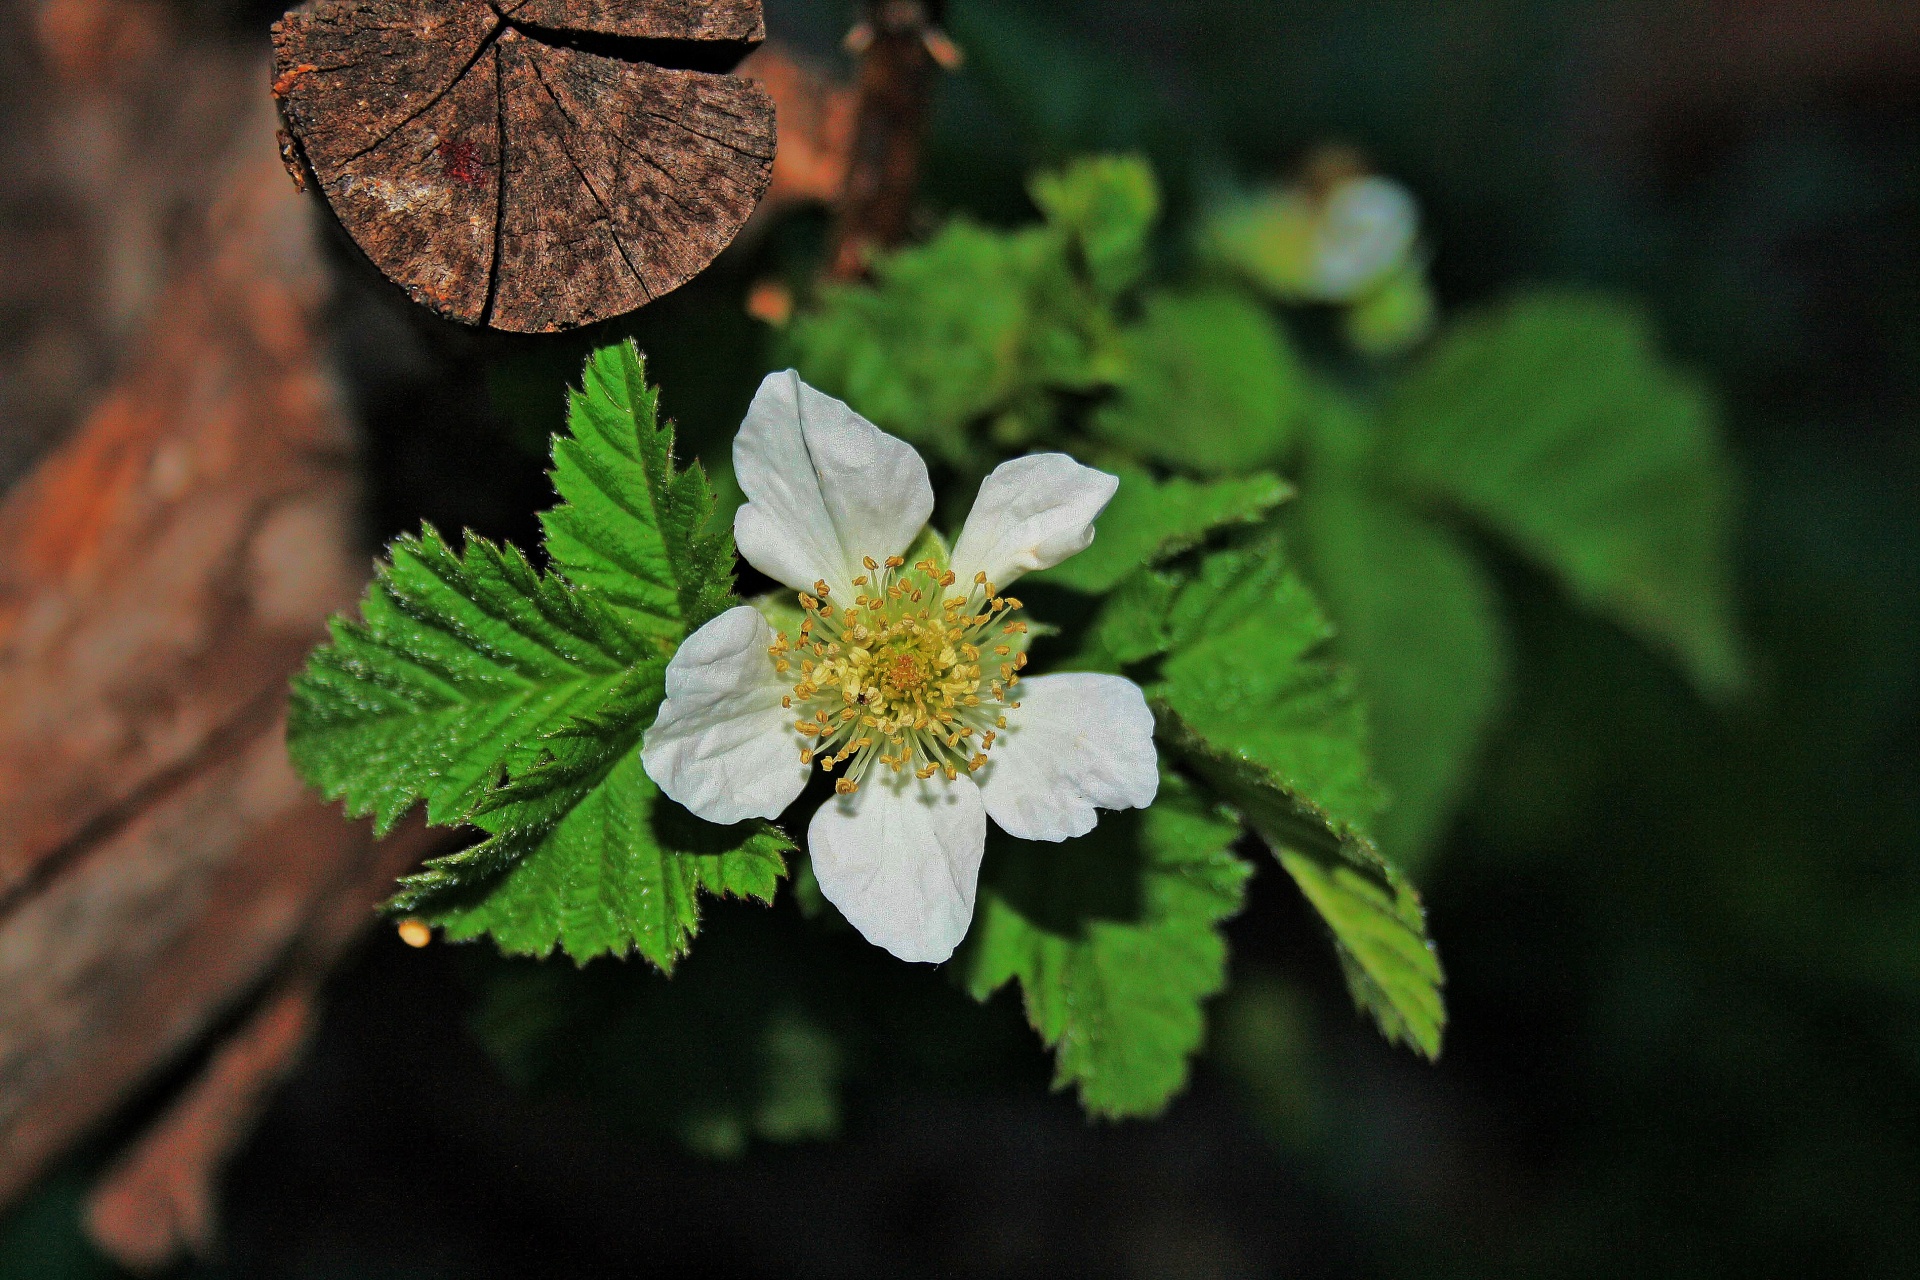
(899, 683)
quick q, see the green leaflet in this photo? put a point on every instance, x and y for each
(618, 869)
(1553, 421)
(977, 327)
(1241, 674)
(1418, 620)
(1207, 383)
(1247, 703)
(1114, 938)
(631, 527)
(1109, 204)
(461, 661)
(515, 701)
(1151, 520)
(941, 338)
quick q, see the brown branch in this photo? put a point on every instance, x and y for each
(899, 40)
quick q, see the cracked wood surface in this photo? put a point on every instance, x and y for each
(529, 167)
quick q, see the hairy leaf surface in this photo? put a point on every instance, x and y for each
(631, 527)
(1114, 938)
(1151, 520)
(460, 663)
(515, 701)
(1248, 701)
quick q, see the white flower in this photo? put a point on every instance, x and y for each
(906, 679)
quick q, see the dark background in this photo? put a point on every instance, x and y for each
(1683, 943)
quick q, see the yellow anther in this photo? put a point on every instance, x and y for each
(806, 755)
(946, 579)
(894, 562)
(1002, 650)
(924, 774)
(979, 578)
(821, 589)
(846, 786)
(976, 762)
(869, 562)
(1019, 662)
(808, 603)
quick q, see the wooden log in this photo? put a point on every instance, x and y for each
(530, 167)
(162, 870)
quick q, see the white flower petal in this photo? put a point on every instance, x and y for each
(900, 857)
(824, 487)
(1032, 513)
(1078, 742)
(722, 744)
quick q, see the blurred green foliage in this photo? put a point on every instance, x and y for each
(1551, 422)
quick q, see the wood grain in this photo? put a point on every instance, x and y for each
(529, 168)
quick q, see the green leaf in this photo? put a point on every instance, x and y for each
(941, 337)
(1554, 421)
(1243, 675)
(515, 701)
(1207, 383)
(1109, 205)
(617, 868)
(631, 527)
(1114, 938)
(1131, 623)
(1380, 932)
(1151, 520)
(460, 664)
(977, 328)
(1419, 621)
(1249, 703)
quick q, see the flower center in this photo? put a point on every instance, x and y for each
(912, 675)
(904, 674)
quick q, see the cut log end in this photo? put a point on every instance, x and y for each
(534, 171)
